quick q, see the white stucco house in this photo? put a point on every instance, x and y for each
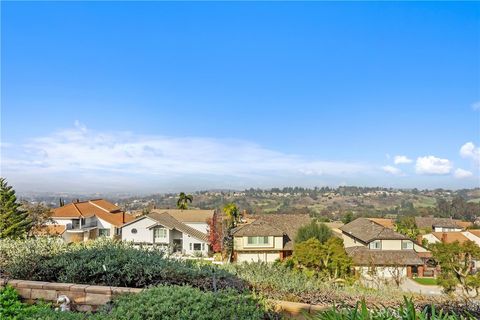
(177, 231)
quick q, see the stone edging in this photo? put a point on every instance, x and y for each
(83, 297)
(90, 297)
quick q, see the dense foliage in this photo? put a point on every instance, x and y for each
(14, 222)
(456, 261)
(329, 259)
(105, 262)
(12, 308)
(319, 231)
(405, 311)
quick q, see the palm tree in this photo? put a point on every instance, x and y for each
(183, 200)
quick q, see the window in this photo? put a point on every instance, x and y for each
(258, 241)
(375, 245)
(203, 246)
(197, 246)
(407, 245)
(134, 231)
(118, 231)
(190, 246)
(159, 233)
(104, 232)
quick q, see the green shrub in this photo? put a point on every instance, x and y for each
(315, 230)
(105, 262)
(171, 303)
(406, 311)
(176, 303)
(11, 307)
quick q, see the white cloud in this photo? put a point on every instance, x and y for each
(476, 106)
(402, 160)
(81, 152)
(432, 165)
(392, 170)
(470, 151)
(461, 173)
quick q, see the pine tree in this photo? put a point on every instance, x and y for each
(14, 222)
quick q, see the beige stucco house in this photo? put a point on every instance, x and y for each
(380, 251)
(267, 238)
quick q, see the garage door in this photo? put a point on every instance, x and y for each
(257, 257)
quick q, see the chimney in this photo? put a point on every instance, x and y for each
(123, 216)
(419, 239)
(444, 237)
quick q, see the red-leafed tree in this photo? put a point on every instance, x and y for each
(215, 234)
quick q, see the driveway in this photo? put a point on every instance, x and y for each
(412, 286)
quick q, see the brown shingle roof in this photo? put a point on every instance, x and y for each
(274, 225)
(429, 222)
(362, 256)
(366, 230)
(167, 220)
(189, 215)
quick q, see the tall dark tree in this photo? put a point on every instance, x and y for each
(14, 222)
(183, 200)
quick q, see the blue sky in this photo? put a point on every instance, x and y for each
(160, 96)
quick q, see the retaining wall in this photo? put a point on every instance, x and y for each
(89, 298)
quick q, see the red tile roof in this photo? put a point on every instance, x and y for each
(98, 207)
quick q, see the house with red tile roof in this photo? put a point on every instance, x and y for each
(85, 220)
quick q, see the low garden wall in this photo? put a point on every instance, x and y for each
(83, 297)
(89, 297)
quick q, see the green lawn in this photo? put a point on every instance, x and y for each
(426, 281)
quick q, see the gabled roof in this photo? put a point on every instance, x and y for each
(166, 220)
(98, 207)
(451, 237)
(366, 231)
(274, 225)
(363, 256)
(188, 215)
(475, 232)
(430, 222)
(387, 223)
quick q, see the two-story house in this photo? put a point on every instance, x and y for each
(177, 231)
(84, 220)
(268, 238)
(378, 250)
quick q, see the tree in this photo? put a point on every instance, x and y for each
(329, 259)
(456, 261)
(183, 200)
(233, 214)
(215, 233)
(407, 226)
(14, 222)
(38, 214)
(348, 217)
(319, 231)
